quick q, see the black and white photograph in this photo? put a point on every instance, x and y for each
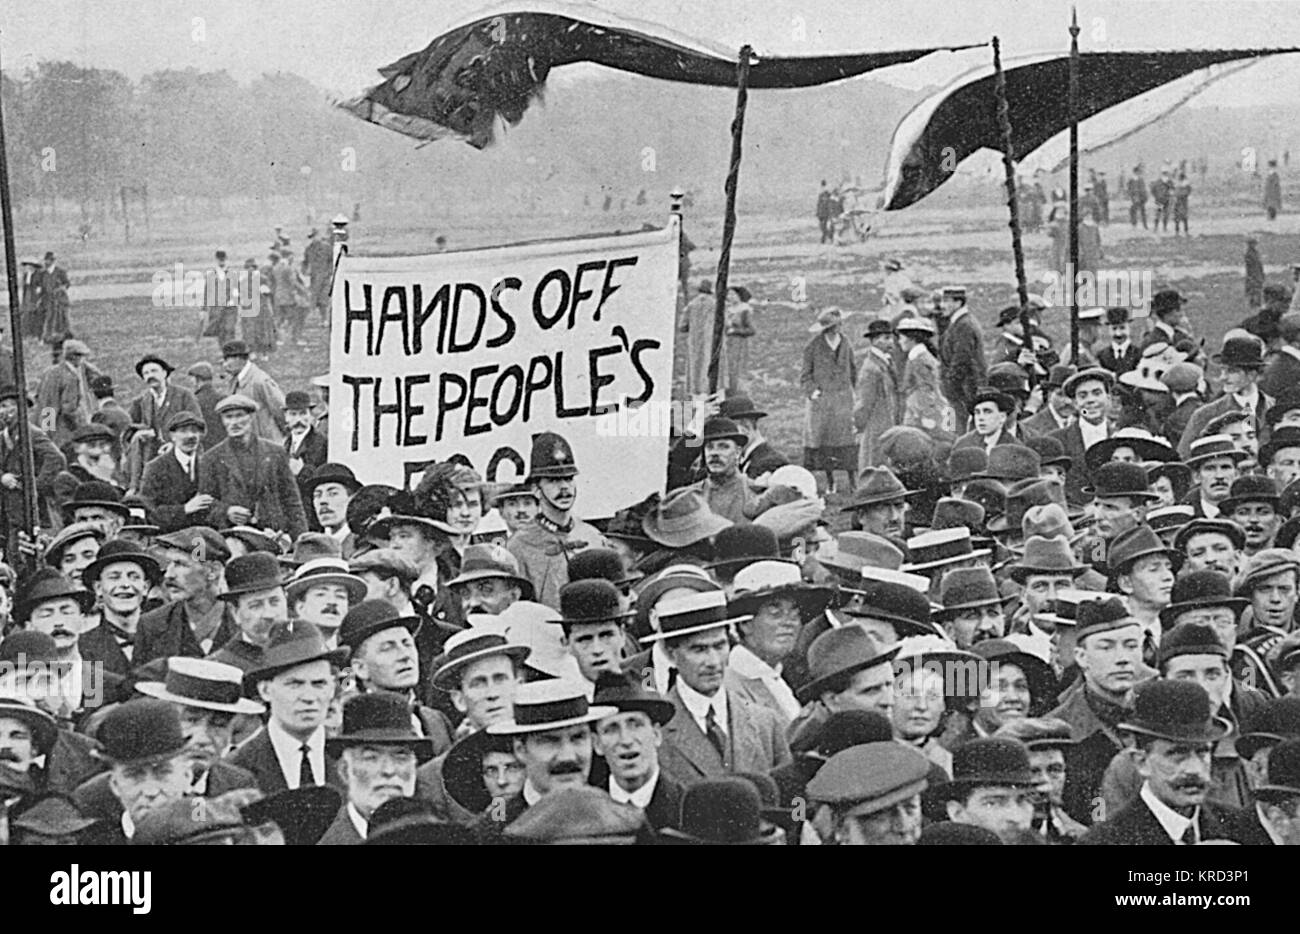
(753, 422)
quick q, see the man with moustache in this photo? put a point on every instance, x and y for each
(383, 657)
(1211, 545)
(551, 733)
(100, 502)
(1108, 651)
(489, 581)
(1215, 461)
(93, 456)
(194, 622)
(715, 730)
(518, 505)
(306, 448)
(321, 592)
(1280, 457)
(1175, 731)
(378, 753)
(879, 504)
(1253, 503)
(1047, 740)
(27, 737)
(328, 491)
(544, 547)
(972, 607)
(629, 741)
(725, 487)
(207, 695)
(152, 410)
(255, 589)
(170, 484)
(119, 577)
(295, 678)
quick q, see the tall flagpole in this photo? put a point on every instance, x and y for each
(729, 218)
(1013, 206)
(1074, 185)
(27, 458)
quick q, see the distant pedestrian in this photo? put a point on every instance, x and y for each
(1272, 191)
(828, 377)
(320, 270)
(825, 215)
(739, 332)
(1182, 193)
(1254, 274)
(52, 296)
(1137, 198)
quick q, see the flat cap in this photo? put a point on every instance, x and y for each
(870, 777)
(236, 401)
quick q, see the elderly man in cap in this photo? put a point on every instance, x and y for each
(378, 753)
(329, 489)
(715, 730)
(992, 787)
(878, 404)
(251, 381)
(961, 352)
(120, 577)
(628, 741)
(170, 484)
(194, 622)
(64, 392)
(1175, 730)
(321, 591)
(869, 795)
(152, 410)
(255, 591)
(543, 548)
(383, 657)
(1215, 463)
(1090, 391)
(1242, 362)
(208, 697)
(248, 477)
(1108, 652)
(1047, 740)
(295, 678)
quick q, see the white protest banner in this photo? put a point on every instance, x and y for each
(474, 352)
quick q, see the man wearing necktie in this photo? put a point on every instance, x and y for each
(1175, 730)
(1242, 363)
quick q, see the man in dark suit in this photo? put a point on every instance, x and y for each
(961, 352)
(170, 484)
(1242, 360)
(248, 477)
(68, 756)
(714, 730)
(759, 457)
(990, 413)
(152, 410)
(1276, 816)
(629, 742)
(207, 696)
(1120, 355)
(196, 622)
(296, 680)
(1175, 732)
(120, 577)
(1090, 392)
(378, 752)
(1167, 320)
(1057, 413)
(1282, 371)
(306, 448)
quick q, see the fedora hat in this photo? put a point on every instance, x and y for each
(44, 728)
(550, 705)
(331, 473)
(828, 317)
(1210, 447)
(1145, 447)
(302, 814)
(1282, 772)
(1198, 590)
(966, 589)
(625, 693)
(97, 493)
(379, 718)
(1245, 353)
(1137, 542)
(48, 584)
(739, 406)
(721, 812)
(991, 760)
(1120, 479)
(721, 428)
(878, 327)
(1048, 521)
(854, 551)
(682, 518)
(966, 463)
(939, 547)
(1071, 385)
(1177, 711)
(878, 485)
(1277, 722)
(870, 778)
(252, 572)
(690, 613)
(487, 562)
(1038, 673)
(591, 602)
(551, 457)
(198, 682)
(1281, 438)
(512, 491)
(119, 551)
(953, 513)
(762, 581)
(1202, 525)
(140, 731)
(293, 643)
(234, 348)
(1023, 496)
(579, 815)
(1012, 462)
(1010, 378)
(739, 545)
(370, 617)
(1252, 488)
(840, 652)
(1058, 373)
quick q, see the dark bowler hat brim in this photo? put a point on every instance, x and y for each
(152, 358)
(422, 746)
(1211, 732)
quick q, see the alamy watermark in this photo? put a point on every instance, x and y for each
(663, 419)
(1104, 288)
(180, 287)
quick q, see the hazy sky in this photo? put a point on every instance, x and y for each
(339, 44)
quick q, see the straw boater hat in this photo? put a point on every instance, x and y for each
(324, 571)
(468, 646)
(198, 682)
(937, 548)
(1210, 447)
(828, 317)
(691, 613)
(554, 704)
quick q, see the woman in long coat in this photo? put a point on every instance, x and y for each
(923, 403)
(828, 377)
(740, 330)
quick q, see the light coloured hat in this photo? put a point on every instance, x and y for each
(691, 613)
(73, 347)
(325, 571)
(829, 317)
(915, 325)
(536, 626)
(199, 682)
(917, 582)
(792, 475)
(553, 704)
